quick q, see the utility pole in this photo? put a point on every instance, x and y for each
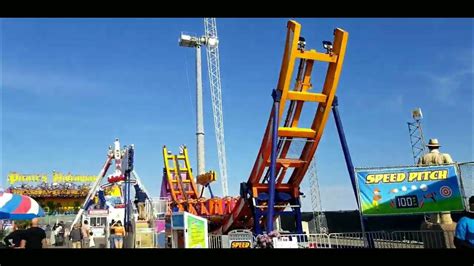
(196, 42)
(211, 42)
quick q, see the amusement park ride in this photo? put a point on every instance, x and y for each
(269, 191)
(273, 186)
(110, 199)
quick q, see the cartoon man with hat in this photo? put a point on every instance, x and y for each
(434, 157)
(376, 198)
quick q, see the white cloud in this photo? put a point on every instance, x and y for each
(47, 83)
(446, 86)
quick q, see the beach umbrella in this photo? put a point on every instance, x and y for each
(18, 207)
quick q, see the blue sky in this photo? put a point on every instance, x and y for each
(69, 87)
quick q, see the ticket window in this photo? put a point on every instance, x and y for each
(98, 221)
(98, 226)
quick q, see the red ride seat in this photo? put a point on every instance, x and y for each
(115, 179)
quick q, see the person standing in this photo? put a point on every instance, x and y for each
(91, 240)
(76, 236)
(119, 234)
(59, 234)
(52, 237)
(13, 240)
(85, 234)
(140, 198)
(48, 231)
(33, 237)
(112, 234)
(464, 235)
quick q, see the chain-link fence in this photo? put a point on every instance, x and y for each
(466, 172)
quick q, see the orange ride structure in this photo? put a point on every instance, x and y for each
(273, 185)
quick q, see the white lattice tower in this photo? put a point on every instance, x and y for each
(212, 49)
(319, 218)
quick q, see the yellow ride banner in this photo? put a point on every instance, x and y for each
(56, 177)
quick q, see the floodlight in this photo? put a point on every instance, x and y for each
(212, 42)
(188, 40)
(417, 114)
(328, 46)
(301, 43)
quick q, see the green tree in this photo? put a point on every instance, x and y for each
(42, 204)
(58, 207)
(77, 205)
(51, 207)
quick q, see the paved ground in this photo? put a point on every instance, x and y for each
(99, 242)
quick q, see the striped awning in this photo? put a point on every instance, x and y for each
(19, 207)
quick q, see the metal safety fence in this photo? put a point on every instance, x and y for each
(310, 240)
(218, 241)
(159, 206)
(349, 240)
(395, 239)
(225, 241)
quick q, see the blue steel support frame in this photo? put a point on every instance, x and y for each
(128, 202)
(210, 191)
(297, 213)
(345, 148)
(208, 186)
(125, 199)
(131, 154)
(350, 166)
(257, 214)
(270, 212)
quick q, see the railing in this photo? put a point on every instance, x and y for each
(380, 239)
(396, 239)
(423, 239)
(311, 240)
(216, 241)
(347, 240)
(160, 206)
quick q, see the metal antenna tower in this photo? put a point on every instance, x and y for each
(319, 219)
(417, 139)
